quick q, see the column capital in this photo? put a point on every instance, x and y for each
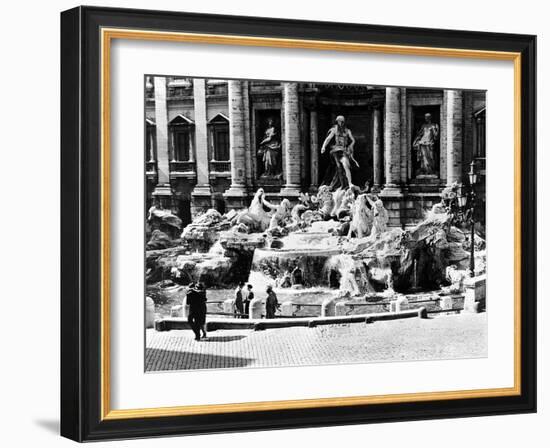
(391, 191)
(162, 190)
(202, 190)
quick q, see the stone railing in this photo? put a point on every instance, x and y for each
(220, 166)
(182, 167)
(331, 307)
(151, 167)
(213, 308)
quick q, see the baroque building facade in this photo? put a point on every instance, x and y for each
(212, 143)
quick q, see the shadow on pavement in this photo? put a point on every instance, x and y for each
(222, 338)
(159, 359)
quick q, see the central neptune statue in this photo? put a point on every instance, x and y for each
(341, 152)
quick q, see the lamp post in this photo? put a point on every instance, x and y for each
(467, 203)
(472, 175)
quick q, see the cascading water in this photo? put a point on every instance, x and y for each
(304, 252)
(216, 249)
(415, 287)
(352, 274)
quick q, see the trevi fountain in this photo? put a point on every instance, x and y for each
(330, 246)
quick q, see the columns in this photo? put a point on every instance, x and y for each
(377, 155)
(468, 131)
(249, 149)
(314, 150)
(201, 193)
(305, 160)
(404, 139)
(291, 143)
(392, 142)
(236, 195)
(151, 154)
(162, 189)
(452, 100)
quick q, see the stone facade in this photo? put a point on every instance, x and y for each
(203, 139)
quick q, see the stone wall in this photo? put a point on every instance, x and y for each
(306, 112)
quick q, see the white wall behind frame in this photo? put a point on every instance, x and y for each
(30, 179)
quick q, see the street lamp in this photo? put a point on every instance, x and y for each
(472, 176)
(462, 198)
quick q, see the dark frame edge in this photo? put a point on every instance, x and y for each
(80, 383)
(71, 323)
(529, 221)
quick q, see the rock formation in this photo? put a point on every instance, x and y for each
(284, 246)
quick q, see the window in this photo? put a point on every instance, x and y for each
(219, 137)
(181, 138)
(221, 143)
(150, 140)
(181, 145)
(216, 87)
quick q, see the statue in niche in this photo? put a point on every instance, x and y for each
(341, 153)
(424, 144)
(270, 150)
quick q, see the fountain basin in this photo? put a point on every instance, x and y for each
(278, 263)
(310, 240)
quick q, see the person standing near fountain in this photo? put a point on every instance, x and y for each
(239, 303)
(202, 314)
(271, 304)
(249, 297)
(196, 299)
(341, 151)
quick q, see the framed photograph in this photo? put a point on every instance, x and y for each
(276, 224)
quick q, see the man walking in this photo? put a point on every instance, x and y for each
(196, 299)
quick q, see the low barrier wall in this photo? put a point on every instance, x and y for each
(475, 296)
(264, 324)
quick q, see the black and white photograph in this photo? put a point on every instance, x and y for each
(297, 223)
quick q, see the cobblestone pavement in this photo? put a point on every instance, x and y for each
(442, 337)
